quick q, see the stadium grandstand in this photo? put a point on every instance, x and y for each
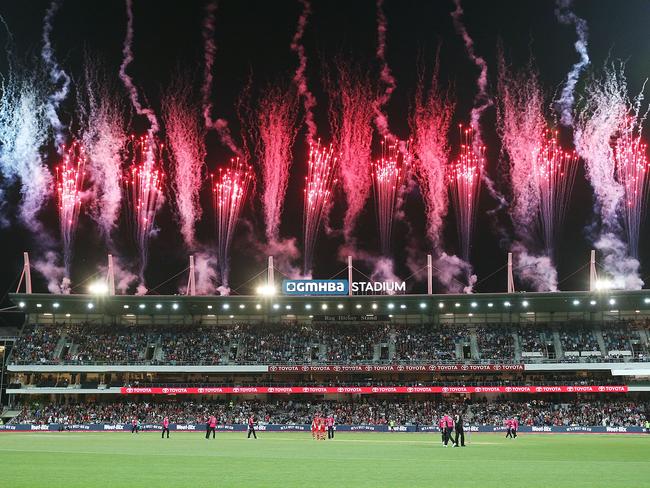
(564, 360)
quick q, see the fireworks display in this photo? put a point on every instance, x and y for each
(464, 178)
(106, 175)
(229, 191)
(318, 192)
(275, 129)
(554, 172)
(69, 187)
(143, 191)
(351, 112)
(388, 176)
(630, 155)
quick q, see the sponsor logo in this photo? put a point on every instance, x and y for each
(340, 287)
(541, 429)
(348, 389)
(615, 429)
(186, 427)
(113, 427)
(39, 427)
(315, 287)
(363, 427)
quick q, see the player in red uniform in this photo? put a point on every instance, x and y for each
(321, 428)
(314, 427)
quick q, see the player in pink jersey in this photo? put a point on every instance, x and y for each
(330, 426)
(165, 427)
(508, 423)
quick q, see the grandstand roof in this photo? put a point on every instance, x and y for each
(517, 306)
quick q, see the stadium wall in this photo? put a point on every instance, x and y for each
(305, 427)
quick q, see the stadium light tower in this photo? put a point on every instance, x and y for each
(349, 275)
(26, 275)
(593, 274)
(511, 279)
(429, 275)
(111, 276)
(270, 278)
(191, 283)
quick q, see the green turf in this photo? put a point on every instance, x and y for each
(294, 460)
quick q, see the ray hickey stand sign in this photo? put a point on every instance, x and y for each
(341, 287)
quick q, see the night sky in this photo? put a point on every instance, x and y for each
(253, 39)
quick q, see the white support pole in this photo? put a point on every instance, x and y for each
(28, 274)
(350, 275)
(111, 276)
(593, 274)
(270, 276)
(191, 284)
(511, 279)
(429, 275)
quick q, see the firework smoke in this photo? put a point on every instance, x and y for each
(430, 122)
(69, 187)
(607, 114)
(274, 128)
(482, 100)
(185, 139)
(104, 134)
(318, 191)
(53, 272)
(205, 265)
(386, 76)
(521, 123)
(351, 113)
(230, 190)
(23, 131)
(127, 53)
(58, 76)
(209, 52)
(566, 16)
(538, 272)
(300, 77)
(454, 273)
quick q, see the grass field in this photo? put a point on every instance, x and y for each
(91, 460)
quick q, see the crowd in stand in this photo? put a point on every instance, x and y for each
(37, 345)
(578, 339)
(421, 343)
(495, 342)
(371, 411)
(531, 340)
(299, 343)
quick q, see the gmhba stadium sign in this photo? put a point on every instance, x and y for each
(341, 287)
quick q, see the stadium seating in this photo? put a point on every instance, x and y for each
(622, 412)
(333, 343)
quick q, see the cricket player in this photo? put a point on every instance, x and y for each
(165, 427)
(211, 426)
(251, 427)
